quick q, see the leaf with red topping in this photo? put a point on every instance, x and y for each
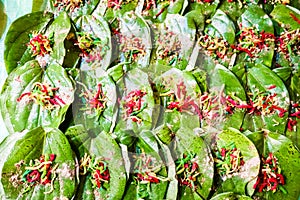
(37, 164)
(38, 97)
(101, 166)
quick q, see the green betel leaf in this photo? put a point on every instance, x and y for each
(148, 178)
(59, 30)
(178, 94)
(224, 83)
(93, 151)
(39, 164)
(255, 20)
(157, 11)
(190, 150)
(32, 97)
(94, 40)
(174, 41)
(95, 104)
(221, 26)
(286, 16)
(230, 195)
(73, 8)
(207, 8)
(238, 177)
(136, 104)
(134, 40)
(288, 158)
(18, 36)
(272, 113)
(3, 20)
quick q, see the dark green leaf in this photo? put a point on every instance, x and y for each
(100, 146)
(221, 26)
(174, 41)
(135, 41)
(254, 17)
(84, 111)
(186, 142)
(288, 158)
(97, 28)
(135, 80)
(175, 83)
(31, 145)
(3, 19)
(18, 36)
(84, 8)
(286, 16)
(259, 79)
(26, 114)
(225, 81)
(242, 182)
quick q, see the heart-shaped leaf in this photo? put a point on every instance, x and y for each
(158, 11)
(98, 52)
(95, 104)
(189, 149)
(255, 19)
(98, 148)
(288, 160)
(239, 181)
(136, 104)
(221, 26)
(224, 81)
(32, 97)
(146, 181)
(134, 40)
(18, 36)
(174, 41)
(178, 93)
(73, 8)
(23, 157)
(263, 83)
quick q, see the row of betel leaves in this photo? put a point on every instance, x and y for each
(149, 105)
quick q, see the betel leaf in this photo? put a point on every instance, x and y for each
(3, 20)
(260, 79)
(174, 41)
(286, 16)
(135, 40)
(60, 29)
(234, 9)
(104, 147)
(144, 156)
(230, 195)
(95, 103)
(178, 87)
(22, 105)
(157, 12)
(39, 5)
(73, 9)
(186, 142)
(27, 146)
(223, 80)
(136, 107)
(100, 54)
(288, 160)
(242, 181)
(18, 36)
(254, 17)
(207, 8)
(221, 26)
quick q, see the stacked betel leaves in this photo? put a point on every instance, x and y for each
(152, 100)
